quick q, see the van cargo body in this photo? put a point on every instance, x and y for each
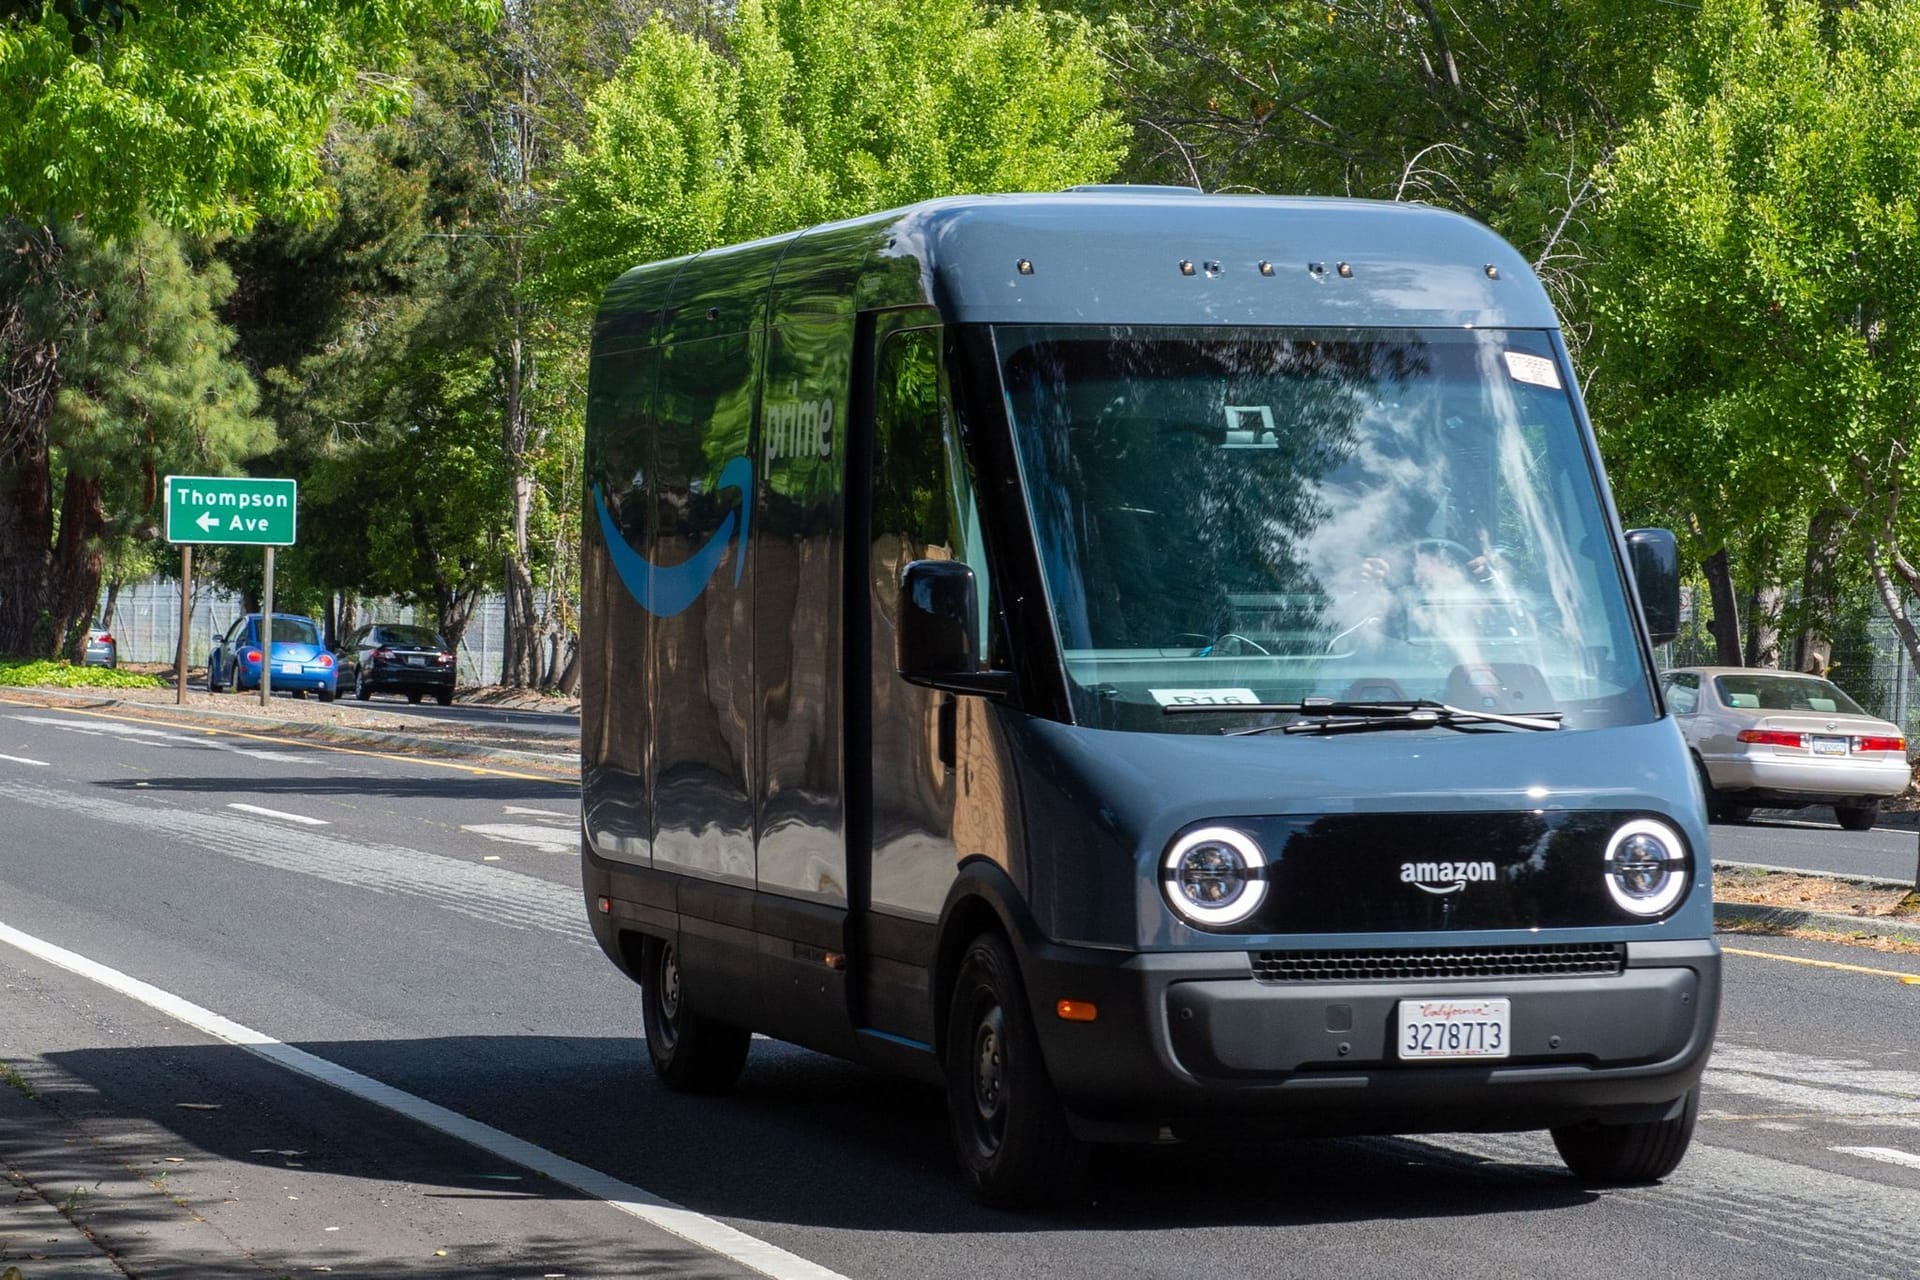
(1158, 664)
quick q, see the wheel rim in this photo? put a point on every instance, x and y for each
(667, 995)
(990, 1078)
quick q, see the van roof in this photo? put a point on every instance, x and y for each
(1116, 255)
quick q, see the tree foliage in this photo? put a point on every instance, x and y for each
(1758, 314)
(810, 110)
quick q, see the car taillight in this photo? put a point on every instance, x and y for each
(253, 655)
(1880, 744)
(326, 659)
(1772, 738)
(383, 654)
(444, 659)
(104, 638)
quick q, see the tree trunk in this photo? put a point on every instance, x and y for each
(1724, 625)
(32, 378)
(112, 605)
(1763, 626)
(569, 681)
(78, 560)
(1890, 599)
(1819, 593)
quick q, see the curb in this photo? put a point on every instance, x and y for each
(333, 734)
(1825, 921)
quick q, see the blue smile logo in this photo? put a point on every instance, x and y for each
(663, 591)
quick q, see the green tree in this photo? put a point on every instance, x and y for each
(1758, 315)
(200, 115)
(145, 384)
(810, 110)
(1500, 109)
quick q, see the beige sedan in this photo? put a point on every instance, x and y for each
(1783, 740)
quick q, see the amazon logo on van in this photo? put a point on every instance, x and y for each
(664, 590)
(1444, 877)
(797, 428)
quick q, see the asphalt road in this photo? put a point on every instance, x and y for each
(349, 954)
(1810, 840)
(559, 724)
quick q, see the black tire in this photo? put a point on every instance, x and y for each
(414, 698)
(1009, 1129)
(360, 689)
(690, 1053)
(1857, 817)
(328, 695)
(1613, 1154)
(444, 699)
(213, 685)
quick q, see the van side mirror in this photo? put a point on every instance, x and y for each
(935, 643)
(1654, 558)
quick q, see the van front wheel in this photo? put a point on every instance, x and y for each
(690, 1054)
(1009, 1129)
(1611, 1154)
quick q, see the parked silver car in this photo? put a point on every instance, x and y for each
(1783, 740)
(102, 651)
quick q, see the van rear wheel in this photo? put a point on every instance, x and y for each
(1009, 1128)
(690, 1053)
(1610, 1154)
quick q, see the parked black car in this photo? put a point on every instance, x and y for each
(387, 657)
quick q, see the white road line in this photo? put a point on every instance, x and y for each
(537, 813)
(695, 1228)
(23, 760)
(545, 839)
(108, 728)
(275, 813)
(1885, 1155)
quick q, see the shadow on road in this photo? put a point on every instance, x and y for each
(804, 1140)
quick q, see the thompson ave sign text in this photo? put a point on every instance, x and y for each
(222, 509)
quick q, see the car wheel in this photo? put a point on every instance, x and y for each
(1609, 1154)
(1009, 1128)
(690, 1053)
(444, 699)
(413, 698)
(1857, 817)
(327, 695)
(213, 677)
(360, 689)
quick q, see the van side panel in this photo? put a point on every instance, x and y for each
(702, 695)
(616, 809)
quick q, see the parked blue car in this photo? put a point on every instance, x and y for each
(301, 662)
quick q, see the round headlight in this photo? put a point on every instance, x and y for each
(1646, 867)
(1214, 876)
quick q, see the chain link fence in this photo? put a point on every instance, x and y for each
(146, 625)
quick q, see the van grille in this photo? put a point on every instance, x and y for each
(1553, 960)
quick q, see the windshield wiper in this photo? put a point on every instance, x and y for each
(1325, 715)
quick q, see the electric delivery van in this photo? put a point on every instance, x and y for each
(1155, 664)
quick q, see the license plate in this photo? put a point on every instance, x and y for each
(1829, 746)
(416, 662)
(290, 668)
(1431, 1029)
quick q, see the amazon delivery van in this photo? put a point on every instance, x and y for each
(1156, 664)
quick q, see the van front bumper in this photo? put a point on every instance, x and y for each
(1184, 1042)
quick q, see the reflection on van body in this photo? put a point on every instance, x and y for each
(1150, 703)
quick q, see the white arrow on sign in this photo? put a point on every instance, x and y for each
(207, 521)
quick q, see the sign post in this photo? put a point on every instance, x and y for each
(230, 511)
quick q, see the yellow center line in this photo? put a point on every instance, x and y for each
(294, 742)
(1910, 978)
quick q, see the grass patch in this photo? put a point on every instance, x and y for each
(14, 1080)
(44, 672)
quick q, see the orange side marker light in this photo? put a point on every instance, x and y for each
(1076, 1010)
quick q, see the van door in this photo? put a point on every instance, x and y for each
(921, 508)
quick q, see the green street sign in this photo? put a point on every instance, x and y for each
(223, 509)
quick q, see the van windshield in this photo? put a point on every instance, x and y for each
(1259, 516)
